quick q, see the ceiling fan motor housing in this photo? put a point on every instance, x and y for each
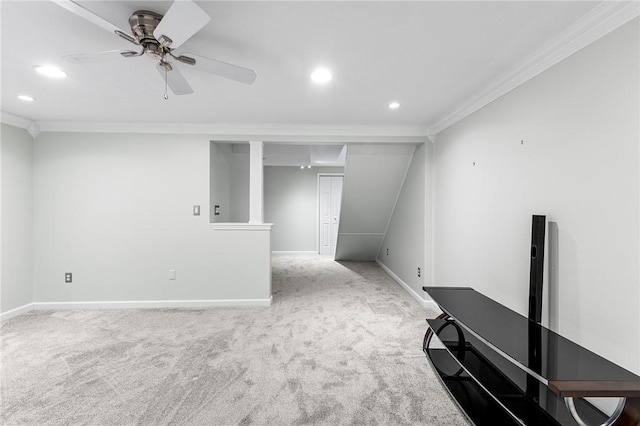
(143, 24)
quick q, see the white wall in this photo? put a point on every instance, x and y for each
(16, 234)
(228, 184)
(291, 204)
(116, 211)
(220, 181)
(239, 192)
(428, 216)
(405, 237)
(578, 163)
(373, 179)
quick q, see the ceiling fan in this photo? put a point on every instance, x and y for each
(158, 36)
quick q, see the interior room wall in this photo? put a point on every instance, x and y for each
(229, 183)
(428, 216)
(16, 233)
(220, 181)
(116, 210)
(405, 236)
(239, 189)
(565, 144)
(291, 204)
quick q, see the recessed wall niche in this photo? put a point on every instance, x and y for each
(229, 182)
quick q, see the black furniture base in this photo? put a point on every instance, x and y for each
(483, 356)
(500, 393)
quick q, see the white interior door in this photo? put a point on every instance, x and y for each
(330, 196)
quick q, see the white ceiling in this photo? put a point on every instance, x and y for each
(431, 56)
(275, 154)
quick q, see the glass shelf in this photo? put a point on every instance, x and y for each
(498, 364)
(498, 383)
(534, 347)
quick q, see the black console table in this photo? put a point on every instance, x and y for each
(504, 369)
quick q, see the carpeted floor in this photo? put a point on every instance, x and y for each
(341, 344)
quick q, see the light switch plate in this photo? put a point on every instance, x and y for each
(196, 210)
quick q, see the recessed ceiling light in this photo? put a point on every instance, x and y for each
(26, 98)
(321, 75)
(394, 105)
(51, 71)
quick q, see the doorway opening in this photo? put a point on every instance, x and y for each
(329, 201)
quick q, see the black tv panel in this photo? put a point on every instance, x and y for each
(536, 273)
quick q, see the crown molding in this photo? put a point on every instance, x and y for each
(603, 19)
(243, 132)
(21, 122)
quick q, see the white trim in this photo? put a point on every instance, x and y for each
(228, 226)
(17, 311)
(294, 252)
(425, 303)
(604, 18)
(133, 304)
(15, 120)
(275, 132)
(150, 304)
(20, 122)
(256, 182)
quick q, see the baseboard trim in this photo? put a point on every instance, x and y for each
(151, 304)
(425, 303)
(133, 304)
(15, 312)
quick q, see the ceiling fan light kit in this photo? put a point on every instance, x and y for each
(159, 36)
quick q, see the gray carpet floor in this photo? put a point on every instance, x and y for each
(341, 344)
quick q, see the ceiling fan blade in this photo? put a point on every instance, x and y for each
(76, 9)
(223, 69)
(86, 58)
(175, 80)
(183, 19)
